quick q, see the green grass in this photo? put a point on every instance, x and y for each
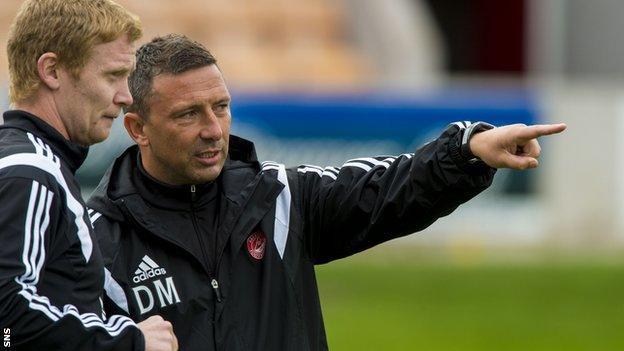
(379, 302)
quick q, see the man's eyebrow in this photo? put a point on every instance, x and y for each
(120, 71)
(224, 100)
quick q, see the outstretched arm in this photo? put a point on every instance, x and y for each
(374, 199)
(513, 146)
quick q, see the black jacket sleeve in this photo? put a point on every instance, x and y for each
(29, 220)
(371, 200)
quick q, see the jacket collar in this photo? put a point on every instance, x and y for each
(180, 197)
(71, 153)
(121, 180)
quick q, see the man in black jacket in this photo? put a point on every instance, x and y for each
(69, 62)
(193, 228)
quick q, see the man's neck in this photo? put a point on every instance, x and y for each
(45, 109)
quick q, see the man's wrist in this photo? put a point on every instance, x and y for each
(465, 149)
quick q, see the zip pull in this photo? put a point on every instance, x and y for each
(193, 192)
(215, 287)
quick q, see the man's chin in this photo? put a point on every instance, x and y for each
(101, 135)
(206, 177)
(98, 139)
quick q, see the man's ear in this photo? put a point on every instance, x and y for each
(47, 68)
(135, 126)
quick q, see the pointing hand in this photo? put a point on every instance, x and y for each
(513, 146)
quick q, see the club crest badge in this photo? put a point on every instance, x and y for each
(256, 244)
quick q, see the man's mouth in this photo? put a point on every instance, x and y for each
(112, 115)
(209, 158)
(207, 154)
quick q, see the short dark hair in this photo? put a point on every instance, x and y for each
(169, 54)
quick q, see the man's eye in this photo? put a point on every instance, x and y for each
(117, 75)
(188, 114)
(222, 107)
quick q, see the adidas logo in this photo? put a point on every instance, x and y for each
(147, 269)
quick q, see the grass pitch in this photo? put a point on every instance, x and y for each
(378, 302)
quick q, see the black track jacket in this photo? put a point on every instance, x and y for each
(51, 271)
(275, 224)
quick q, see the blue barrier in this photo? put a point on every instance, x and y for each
(400, 117)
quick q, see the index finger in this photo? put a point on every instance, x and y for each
(538, 130)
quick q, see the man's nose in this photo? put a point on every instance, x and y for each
(123, 97)
(211, 129)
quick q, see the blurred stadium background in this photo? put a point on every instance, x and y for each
(534, 263)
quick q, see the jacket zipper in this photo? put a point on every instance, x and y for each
(213, 280)
(219, 253)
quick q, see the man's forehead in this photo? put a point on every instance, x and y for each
(118, 52)
(204, 82)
